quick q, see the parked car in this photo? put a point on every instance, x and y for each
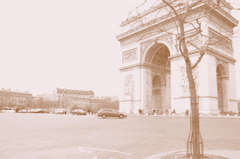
(78, 112)
(22, 111)
(8, 110)
(39, 111)
(111, 113)
(43, 111)
(60, 111)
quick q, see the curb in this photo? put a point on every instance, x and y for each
(229, 154)
(177, 115)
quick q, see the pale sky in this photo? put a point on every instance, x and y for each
(49, 44)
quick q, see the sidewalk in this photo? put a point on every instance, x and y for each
(182, 115)
(210, 154)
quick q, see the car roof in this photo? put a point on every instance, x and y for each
(107, 109)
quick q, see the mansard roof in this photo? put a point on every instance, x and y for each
(8, 92)
(76, 92)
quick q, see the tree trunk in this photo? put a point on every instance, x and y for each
(194, 145)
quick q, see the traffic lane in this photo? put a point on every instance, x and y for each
(69, 136)
(40, 133)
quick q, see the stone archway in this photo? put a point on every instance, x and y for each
(222, 88)
(157, 95)
(158, 55)
(157, 59)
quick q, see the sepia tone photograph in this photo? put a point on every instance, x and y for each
(120, 79)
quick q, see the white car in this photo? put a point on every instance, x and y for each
(8, 110)
(60, 111)
(22, 111)
(78, 112)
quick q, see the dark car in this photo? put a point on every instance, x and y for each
(78, 112)
(43, 111)
(111, 113)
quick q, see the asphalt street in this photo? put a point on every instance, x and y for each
(52, 136)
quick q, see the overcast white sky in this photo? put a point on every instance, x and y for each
(45, 44)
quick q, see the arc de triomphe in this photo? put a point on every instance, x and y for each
(153, 74)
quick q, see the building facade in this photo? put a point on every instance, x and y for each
(70, 99)
(83, 99)
(15, 99)
(153, 71)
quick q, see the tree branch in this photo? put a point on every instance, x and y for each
(173, 9)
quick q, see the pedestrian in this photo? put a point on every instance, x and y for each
(173, 111)
(186, 112)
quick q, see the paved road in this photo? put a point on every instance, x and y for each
(41, 136)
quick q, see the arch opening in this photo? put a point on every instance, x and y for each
(156, 94)
(158, 55)
(222, 92)
(157, 58)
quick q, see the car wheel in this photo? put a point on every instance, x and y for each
(120, 116)
(103, 116)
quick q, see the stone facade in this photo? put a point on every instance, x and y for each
(15, 99)
(153, 70)
(85, 99)
(68, 98)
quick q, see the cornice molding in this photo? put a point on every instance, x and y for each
(130, 100)
(220, 55)
(182, 97)
(144, 28)
(209, 51)
(233, 100)
(145, 65)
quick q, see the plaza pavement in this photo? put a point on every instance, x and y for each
(229, 154)
(52, 136)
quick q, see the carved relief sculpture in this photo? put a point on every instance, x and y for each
(129, 55)
(156, 92)
(129, 86)
(219, 40)
(184, 84)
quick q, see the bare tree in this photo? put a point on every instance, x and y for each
(39, 102)
(189, 19)
(29, 102)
